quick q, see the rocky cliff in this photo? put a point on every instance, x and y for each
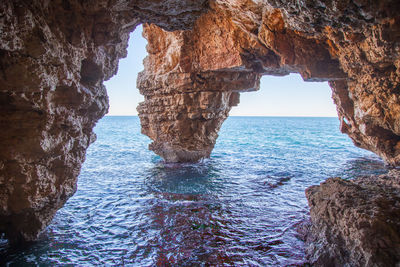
(55, 55)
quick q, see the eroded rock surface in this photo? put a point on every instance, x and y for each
(185, 105)
(191, 78)
(356, 222)
(54, 56)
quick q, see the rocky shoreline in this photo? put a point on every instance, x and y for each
(354, 222)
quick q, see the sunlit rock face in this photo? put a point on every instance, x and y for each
(54, 56)
(191, 78)
(186, 104)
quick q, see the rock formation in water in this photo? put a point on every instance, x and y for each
(191, 78)
(55, 55)
(355, 223)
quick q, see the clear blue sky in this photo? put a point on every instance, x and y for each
(278, 96)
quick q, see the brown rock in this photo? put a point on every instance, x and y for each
(54, 56)
(352, 45)
(356, 222)
(192, 78)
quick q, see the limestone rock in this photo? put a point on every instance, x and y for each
(192, 78)
(184, 108)
(355, 222)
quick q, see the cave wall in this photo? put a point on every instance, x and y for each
(55, 55)
(354, 222)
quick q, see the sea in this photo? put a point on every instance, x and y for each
(240, 207)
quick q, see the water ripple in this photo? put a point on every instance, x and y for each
(240, 207)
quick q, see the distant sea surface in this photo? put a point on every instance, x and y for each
(240, 207)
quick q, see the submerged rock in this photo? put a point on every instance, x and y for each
(355, 222)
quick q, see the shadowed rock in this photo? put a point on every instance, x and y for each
(54, 57)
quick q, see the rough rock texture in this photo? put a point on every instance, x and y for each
(356, 222)
(185, 107)
(54, 56)
(191, 78)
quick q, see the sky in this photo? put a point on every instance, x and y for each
(278, 96)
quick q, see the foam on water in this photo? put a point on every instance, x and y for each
(240, 207)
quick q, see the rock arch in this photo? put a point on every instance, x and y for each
(54, 56)
(192, 78)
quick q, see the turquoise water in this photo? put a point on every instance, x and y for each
(240, 207)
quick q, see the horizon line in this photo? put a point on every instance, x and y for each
(272, 116)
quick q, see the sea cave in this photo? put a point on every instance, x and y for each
(55, 56)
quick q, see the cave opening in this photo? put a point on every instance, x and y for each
(123, 95)
(132, 207)
(238, 207)
(278, 96)
(287, 96)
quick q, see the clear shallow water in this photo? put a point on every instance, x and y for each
(240, 207)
